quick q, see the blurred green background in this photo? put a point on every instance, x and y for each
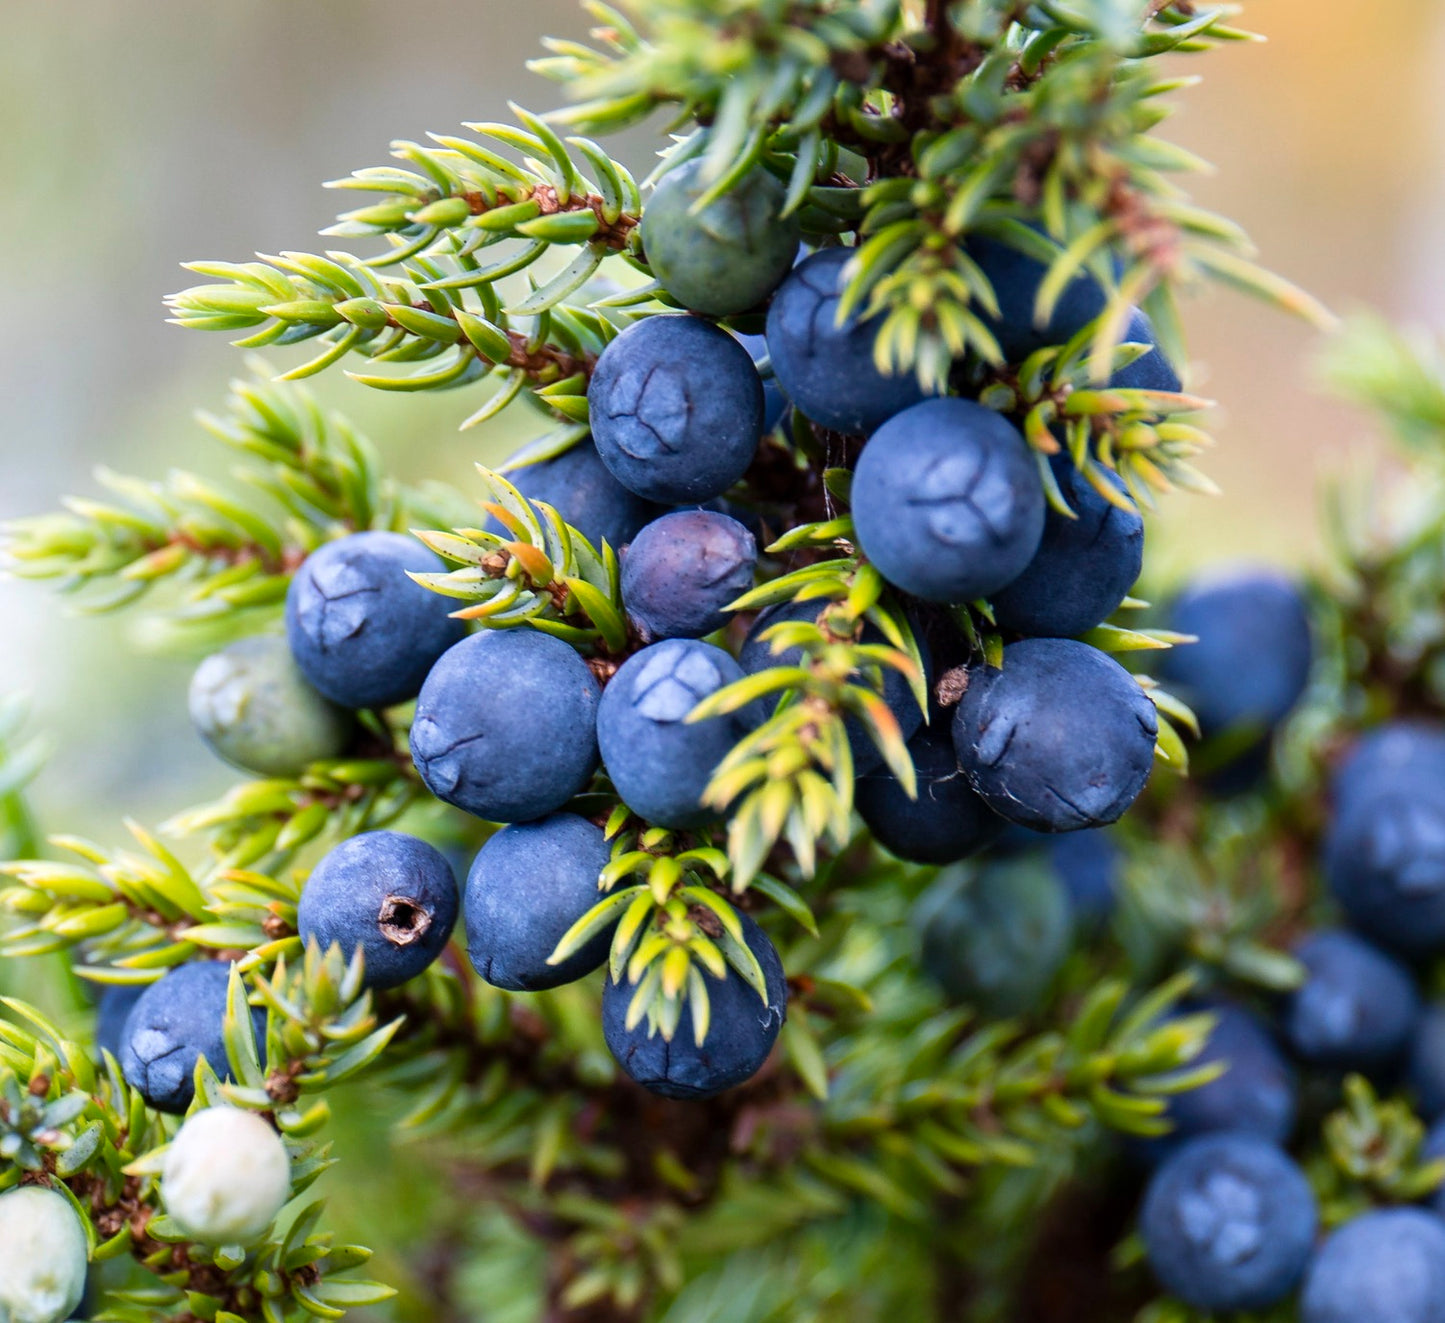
(138, 135)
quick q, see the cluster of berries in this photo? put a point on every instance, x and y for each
(1229, 1220)
(510, 726)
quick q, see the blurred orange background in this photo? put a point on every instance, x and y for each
(138, 136)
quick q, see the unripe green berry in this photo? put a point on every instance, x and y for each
(729, 256)
(255, 709)
(42, 1256)
(226, 1177)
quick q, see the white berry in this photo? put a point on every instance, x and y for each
(42, 1256)
(226, 1177)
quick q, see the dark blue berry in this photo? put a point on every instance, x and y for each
(659, 762)
(682, 571)
(362, 632)
(995, 935)
(827, 370)
(175, 1023)
(1384, 861)
(506, 726)
(1016, 278)
(254, 708)
(1427, 1062)
(1087, 862)
(1432, 1150)
(116, 1002)
(742, 1030)
(947, 501)
(1252, 661)
(1395, 754)
(1084, 566)
(946, 822)
(390, 894)
(1151, 372)
(581, 488)
(1385, 1266)
(775, 402)
(1357, 1008)
(528, 885)
(729, 256)
(1229, 1223)
(676, 408)
(757, 655)
(1088, 865)
(1061, 738)
(1256, 1093)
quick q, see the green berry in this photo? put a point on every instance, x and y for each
(255, 709)
(729, 256)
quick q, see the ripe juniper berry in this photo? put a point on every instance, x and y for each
(676, 408)
(947, 501)
(362, 632)
(389, 894)
(741, 1033)
(506, 726)
(528, 885)
(827, 370)
(1061, 738)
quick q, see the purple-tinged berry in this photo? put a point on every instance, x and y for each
(177, 1021)
(1385, 1266)
(944, 823)
(677, 409)
(1016, 278)
(659, 762)
(1255, 1093)
(1357, 1008)
(1252, 661)
(757, 655)
(1151, 371)
(741, 1031)
(827, 370)
(1229, 1223)
(581, 488)
(683, 570)
(1060, 739)
(1083, 568)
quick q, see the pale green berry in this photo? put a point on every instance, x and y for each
(729, 256)
(226, 1176)
(42, 1256)
(256, 710)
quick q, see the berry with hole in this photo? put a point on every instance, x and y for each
(390, 895)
